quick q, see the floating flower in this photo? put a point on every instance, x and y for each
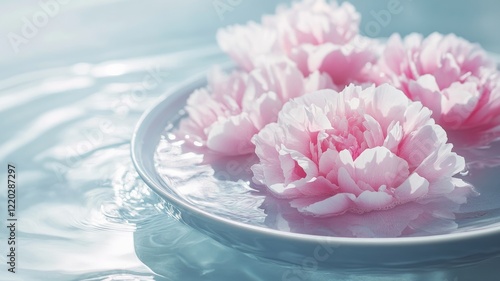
(316, 35)
(357, 150)
(453, 77)
(225, 115)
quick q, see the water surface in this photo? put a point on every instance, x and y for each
(69, 100)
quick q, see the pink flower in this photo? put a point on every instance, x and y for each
(316, 35)
(314, 22)
(357, 150)
(225, 115)
(248, 44)
(453, 77)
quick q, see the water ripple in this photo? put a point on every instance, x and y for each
(81, 200)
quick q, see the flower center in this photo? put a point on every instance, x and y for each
(346, 133)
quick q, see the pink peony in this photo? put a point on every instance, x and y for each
(225, 115)
(453, 77)
(316, 35)
(357, 150)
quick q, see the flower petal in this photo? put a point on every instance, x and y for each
(221, 136)
(412, 188)
(334, 205)
(369, 165)
(373, 200)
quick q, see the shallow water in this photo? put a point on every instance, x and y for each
(69, 101)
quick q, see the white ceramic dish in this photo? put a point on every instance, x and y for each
(438, 251)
